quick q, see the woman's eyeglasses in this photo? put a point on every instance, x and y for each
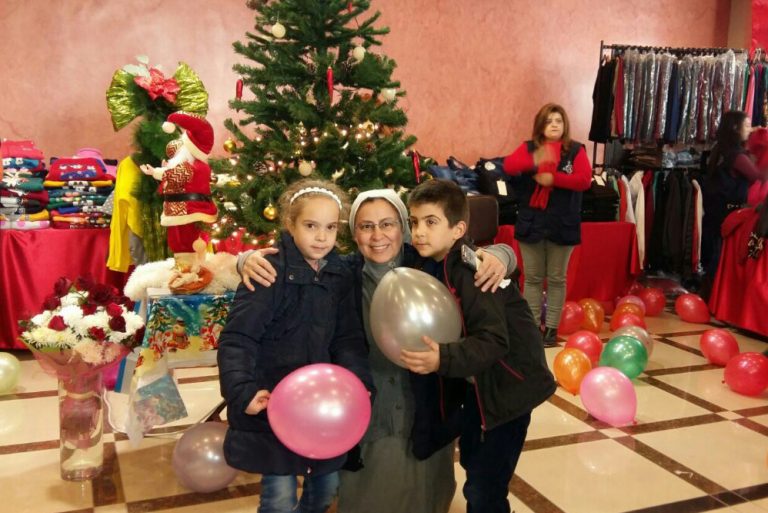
(385, 225)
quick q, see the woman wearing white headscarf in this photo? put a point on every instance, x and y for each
(389, 478)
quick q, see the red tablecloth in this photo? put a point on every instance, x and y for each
(602, 267)
(740, 290)
(30, 263)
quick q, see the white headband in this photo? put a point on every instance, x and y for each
(307, 190)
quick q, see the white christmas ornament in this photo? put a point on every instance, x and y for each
(278, 30)
(358, 53)
(389, 94)
(305, 168)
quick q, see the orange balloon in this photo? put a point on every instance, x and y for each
(594, 314)
(629, 308)
(571, 365)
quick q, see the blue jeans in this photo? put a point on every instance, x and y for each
(278, 493)
(489, 458)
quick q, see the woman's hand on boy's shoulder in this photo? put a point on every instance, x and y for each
(259, 269)
(490, 271)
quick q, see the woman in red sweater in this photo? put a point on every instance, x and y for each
(549, 174)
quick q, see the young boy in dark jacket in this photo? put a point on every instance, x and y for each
(501, 353)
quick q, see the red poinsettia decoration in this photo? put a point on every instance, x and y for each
(157, 85)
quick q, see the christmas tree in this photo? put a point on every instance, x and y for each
(322, 102)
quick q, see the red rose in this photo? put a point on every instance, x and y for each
(85, 283)
(101, 294)
(62, 286)
(117, 323)
(97, 333)
(51, 303)
(88, 308)
(113, 310)
(139, 336)
(57, 323)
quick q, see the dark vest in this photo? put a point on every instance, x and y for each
(560, 222)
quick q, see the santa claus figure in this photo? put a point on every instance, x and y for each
(185, 186)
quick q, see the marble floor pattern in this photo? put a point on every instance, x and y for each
(696, 446)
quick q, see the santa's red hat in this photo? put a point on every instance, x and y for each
(198, 135)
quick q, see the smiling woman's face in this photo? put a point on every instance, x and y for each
(374, 243)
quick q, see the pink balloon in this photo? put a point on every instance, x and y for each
(718, 346)
(632, 299)
(198, 458)
(319, 411)
(608, 395)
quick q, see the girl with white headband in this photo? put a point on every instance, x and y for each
(271, 332)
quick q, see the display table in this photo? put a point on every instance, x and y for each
(740, 290)
(30, 263)
(602, 267)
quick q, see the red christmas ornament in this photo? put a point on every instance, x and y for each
(329, 77)
(349, 7)
(416, 167)
(239, 89)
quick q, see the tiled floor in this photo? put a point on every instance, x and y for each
(697, 446)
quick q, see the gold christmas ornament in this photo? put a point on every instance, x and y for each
(305, 168)
(278, 30)
(229, 146)
(358, 53)
(270, 212)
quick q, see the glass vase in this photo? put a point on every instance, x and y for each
(81, 423)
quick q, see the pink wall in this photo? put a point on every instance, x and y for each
(475, 71)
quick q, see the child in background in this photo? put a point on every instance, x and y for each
(501, 353)
(306, 317)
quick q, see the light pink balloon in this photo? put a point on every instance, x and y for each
(608, 395)
(319, 411)
(198, 458)
(631, 299)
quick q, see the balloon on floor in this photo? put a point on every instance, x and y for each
(747, 373)
(588, 342)
(626, 354)
(10, 370)
(632, 300)
(620, 320)
(319, 411)
(198, 458)
(691, 308)
(718, 346)
(570, 366)
(608, 395)
(654, 301)
(571, 318)
(640, 334)
(407, 305)
(594, 314)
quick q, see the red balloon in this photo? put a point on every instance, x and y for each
(654, 301)
(631, 299)
(747, 373)
(691, 308)
(635, 288)
(587, 342)
(570, 318)
(718, 346)
(626, 319)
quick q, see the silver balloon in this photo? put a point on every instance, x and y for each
(198, 458)
(10, 369)
(638, 333)
(408, 304)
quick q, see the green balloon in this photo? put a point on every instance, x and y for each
(625, 353)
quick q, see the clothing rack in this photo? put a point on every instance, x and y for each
(759, 55)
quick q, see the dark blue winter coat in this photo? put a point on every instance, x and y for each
(305, 317)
